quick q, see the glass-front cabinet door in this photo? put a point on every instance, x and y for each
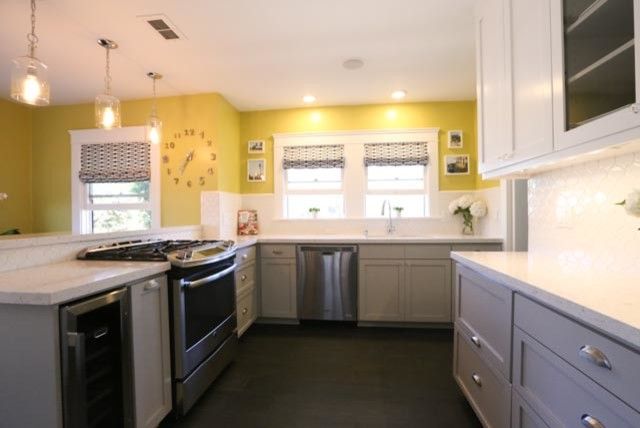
(595, 69)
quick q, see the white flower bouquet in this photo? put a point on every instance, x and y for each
(469, 207)
(632, 203)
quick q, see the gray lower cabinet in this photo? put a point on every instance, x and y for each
(428, 290)
(278, 282)
(151, 350)
(381, 290)
(246, 288)
(564, 373)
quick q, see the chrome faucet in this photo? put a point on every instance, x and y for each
(390, 227)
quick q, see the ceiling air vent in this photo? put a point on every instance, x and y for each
(163, 26)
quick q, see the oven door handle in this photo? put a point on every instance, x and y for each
(210, 278)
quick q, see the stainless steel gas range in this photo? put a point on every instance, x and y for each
(202, 303)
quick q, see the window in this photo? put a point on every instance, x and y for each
(115, 181)
(115, 207)
(402, 186)
(357, 174)
(313, 182)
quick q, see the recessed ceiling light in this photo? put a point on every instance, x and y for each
(399, 94)
(309, 99)
(353, 64)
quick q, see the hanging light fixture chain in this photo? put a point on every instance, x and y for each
(107, 77)
(31, 37)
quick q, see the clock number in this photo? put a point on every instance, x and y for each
(210, 171)
(169, 171)
(189, 183)
(176, 180)
(170, 145)
(209, 143)
(202, 135)
(192, 132)
(201, 181)
(213, 156)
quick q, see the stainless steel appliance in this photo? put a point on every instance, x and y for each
(327, 282)
(203, 307)
(96, 361)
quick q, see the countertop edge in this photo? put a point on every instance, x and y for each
(621, 331)
(372, 240)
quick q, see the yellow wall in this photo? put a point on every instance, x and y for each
(15, 166)
(261, 125)
(180, 204)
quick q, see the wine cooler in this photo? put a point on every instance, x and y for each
(96, 362)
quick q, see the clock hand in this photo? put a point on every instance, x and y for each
(186, 161)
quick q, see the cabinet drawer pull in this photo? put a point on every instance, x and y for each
(595, 356)
(591, 422)
(475, 340)
(635, 108)
(243, 277)
(245, 256)
(244, 311)
(476, 379)
(276, 252)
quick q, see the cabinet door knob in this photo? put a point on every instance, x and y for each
(243, 278)
(476, 379)
(244, 311)
(635, 108)
(591, 422)
(595, 356)
(475, 340)
(245, 256)
(277, 252)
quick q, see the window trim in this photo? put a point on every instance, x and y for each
(80, 207)
(354, 178)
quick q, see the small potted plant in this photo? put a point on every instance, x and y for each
(398, 211)
(314, 211)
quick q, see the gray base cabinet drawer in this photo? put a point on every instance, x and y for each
(424, 251)
(523, 415)
(246, 309)
(487, 391)
(246, 255)
(561, 393)
(245, 277)
(277, 251)
(612, 365)
(381, 251)
(483, 312)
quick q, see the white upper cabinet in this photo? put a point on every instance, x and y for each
(529, 73)
(555, 79)
(491, 87)
(595, 65)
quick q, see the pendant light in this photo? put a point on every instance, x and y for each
(107, 107)
(154, 124)
(29, 83)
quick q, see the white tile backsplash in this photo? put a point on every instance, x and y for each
(573, 213)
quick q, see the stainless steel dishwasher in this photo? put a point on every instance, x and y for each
(327, 282)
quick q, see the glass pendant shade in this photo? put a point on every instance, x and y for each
(29, 82)
(107, 109)
(154, 129)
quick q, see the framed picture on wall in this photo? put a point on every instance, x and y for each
(455, 140)
(255, 146)
(456, 164)
(256, 170)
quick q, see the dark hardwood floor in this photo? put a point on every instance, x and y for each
(336, 376)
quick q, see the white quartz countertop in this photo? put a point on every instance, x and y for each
(608, 301)
(66, 281)
(371, 239)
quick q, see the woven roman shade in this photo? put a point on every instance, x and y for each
(115, 162)
(302, 157)
(395, 154)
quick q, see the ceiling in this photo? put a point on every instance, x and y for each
(259, 54)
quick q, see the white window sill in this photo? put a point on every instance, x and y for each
(359, 218)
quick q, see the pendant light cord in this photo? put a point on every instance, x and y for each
(31, 37)
(154, 110)
(107, 77)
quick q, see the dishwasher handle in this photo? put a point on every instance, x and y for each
(328, 250)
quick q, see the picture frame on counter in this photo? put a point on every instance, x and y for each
(256, 170)
(454, 139)
(456, 165)
(255, 146)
